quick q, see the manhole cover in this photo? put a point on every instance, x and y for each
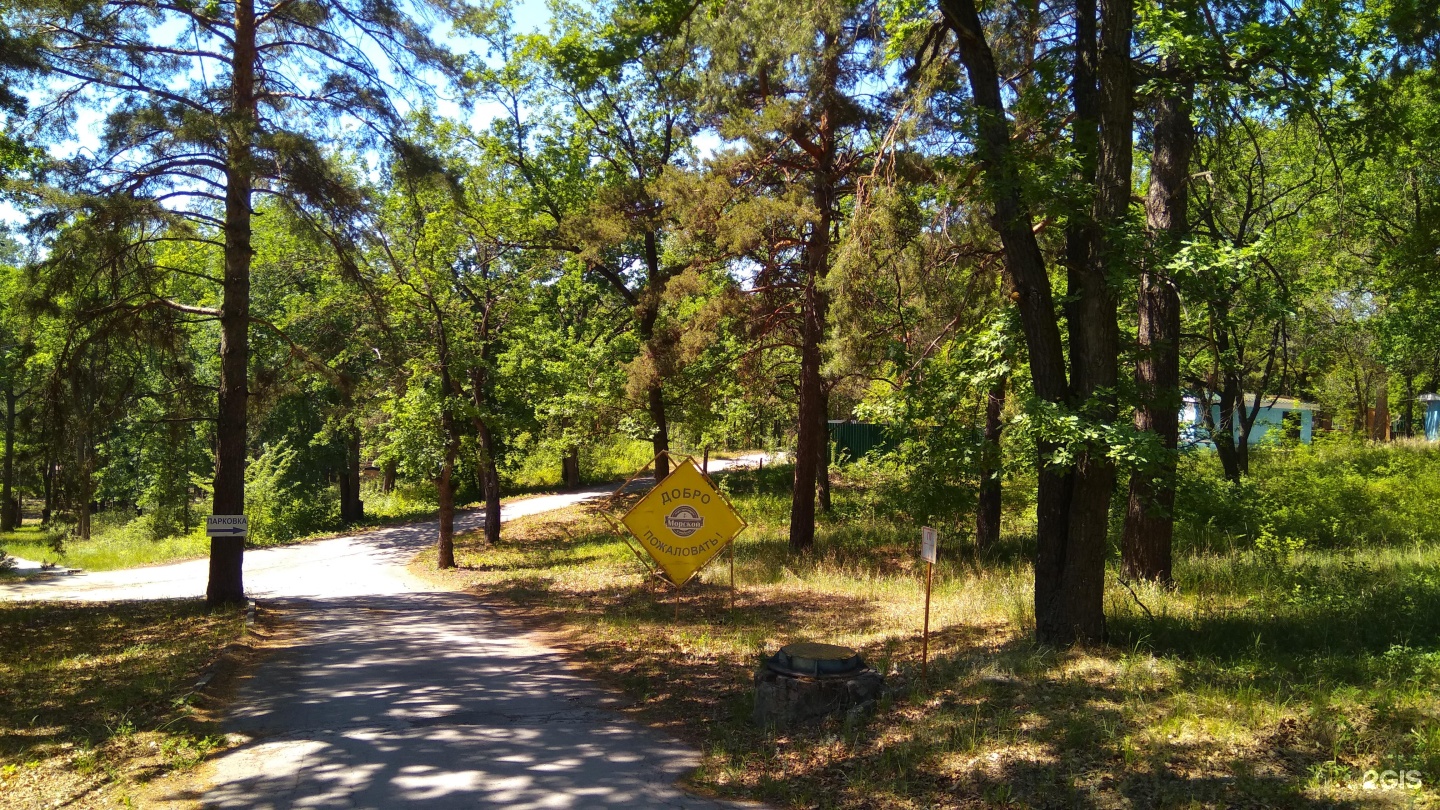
(816, 660)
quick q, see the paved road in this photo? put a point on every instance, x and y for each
(400, 696)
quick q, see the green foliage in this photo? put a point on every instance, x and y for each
(1336, 493)
(281, 504)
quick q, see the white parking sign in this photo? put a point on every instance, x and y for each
(225, 526)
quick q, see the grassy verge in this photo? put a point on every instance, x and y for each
(93, 698)
(104, 552)
(112, 547)
(1268, 679)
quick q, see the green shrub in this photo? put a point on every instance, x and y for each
(408, 499)
(1337, 493)
(280, 506)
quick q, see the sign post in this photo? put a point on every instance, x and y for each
(927, 553)
(683, 524)
(226, 526)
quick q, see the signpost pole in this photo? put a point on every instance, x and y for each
(732, 576)
(925, 648)
(929, 540)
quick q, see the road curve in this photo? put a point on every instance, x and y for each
(397, 695)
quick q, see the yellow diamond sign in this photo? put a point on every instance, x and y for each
(683, 522)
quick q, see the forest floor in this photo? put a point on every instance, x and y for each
(98, 697)
(1266, 680)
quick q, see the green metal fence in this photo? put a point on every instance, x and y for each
(852, 440)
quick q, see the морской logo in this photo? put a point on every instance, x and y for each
(684, 521)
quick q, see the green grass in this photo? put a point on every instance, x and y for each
(1272, 677)
(118, 540)
(93, 697)
(104, 551)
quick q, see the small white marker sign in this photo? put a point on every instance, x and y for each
(927, 544)
(226, 526)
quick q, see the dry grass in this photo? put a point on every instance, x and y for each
(94, 698)
(1218, 701)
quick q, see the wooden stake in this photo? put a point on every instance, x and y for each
(925, 645)
(732, 576)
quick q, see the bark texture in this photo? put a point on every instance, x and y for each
(352, 509)
(489, 480)
(227, 583)
(811, 439)
(822, 459)
(9, 514)
(649, 301)
(1072, 503)
(1147, 540)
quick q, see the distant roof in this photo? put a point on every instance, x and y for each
(1429, 397)
(1281, 403)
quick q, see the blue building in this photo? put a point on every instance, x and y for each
(1270, 422)
(1432, 416)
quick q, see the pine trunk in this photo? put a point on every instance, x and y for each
(822, 459)
(226, 583)
(86, 486)
(1147, 540)
(1380, 430)
(660, 439)
(9, 517)
(810, 437)
(352, 509)
(655, 393)
(47, 483)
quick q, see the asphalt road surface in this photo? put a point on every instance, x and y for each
(398, 695)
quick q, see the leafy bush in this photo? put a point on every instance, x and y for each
(535, 464)
(280, 505)
(408, 499)
(1336, 493)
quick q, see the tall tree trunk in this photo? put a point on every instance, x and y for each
(226, 583)
(649, 313)
(1408, 425)
(445, 493)
(387, 477)
(489, 480)
(822, 459)
(352, 509)
(1069, 598)
(987, 507)
(1148, 537)
(47, 484)
(1380, 431)
(1223, 432)
(570, 468)
(85, 469)
(1072, 504)
(9, 517)
(660, 439)
(811, 436)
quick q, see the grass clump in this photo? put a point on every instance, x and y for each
(1274, 676)
(93, 699)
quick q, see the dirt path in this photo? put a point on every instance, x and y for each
(396, 695)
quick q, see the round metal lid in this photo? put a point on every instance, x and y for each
(816, 660)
